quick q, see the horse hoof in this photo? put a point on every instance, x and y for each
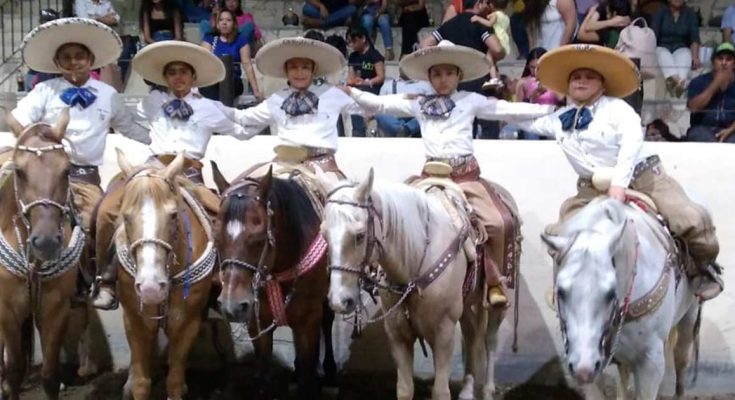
(468, 388)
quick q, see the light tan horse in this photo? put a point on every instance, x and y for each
(166, 255)
(410, 234)
(39, 254)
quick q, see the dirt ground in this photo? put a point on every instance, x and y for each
(232, 384)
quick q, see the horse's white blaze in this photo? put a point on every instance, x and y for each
(234, 229)
(147, 271)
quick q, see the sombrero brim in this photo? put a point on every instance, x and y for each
(40, 44)
(271, 59)
(621, 75)
(471, 62)
(150, 61)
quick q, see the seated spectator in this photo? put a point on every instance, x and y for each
(603, 23)
(530, 90)
(392, 126)
(658, 131)
(196, 10)
(377, 10)
(712, 100)
(228, 40)
(413, 18)
(366, 70)
(98, 10)
(327, 14)
(314, 34)
(245, 21)
(728, 24)
(550, 23)
(584, 7)
(677, 37)
(160, 20)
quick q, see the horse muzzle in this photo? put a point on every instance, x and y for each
(235, 311)
(342, 304)
(152, 292)
(46, 247)
(585, 374)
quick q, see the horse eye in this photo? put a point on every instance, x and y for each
(561, 295)
(360, 236)
(610, 295)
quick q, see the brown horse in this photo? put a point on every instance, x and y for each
(274, 273)
(166, 256)
(39, 254)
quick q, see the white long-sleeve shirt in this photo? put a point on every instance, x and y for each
(95, 9)
(451, 136)
(88, 127)
(317, 130)
(170, 135)
(614, 138)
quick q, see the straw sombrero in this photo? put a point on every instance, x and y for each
(621, 75)
(272, 57)
(471, 62)
(150, 61)
(40, 44)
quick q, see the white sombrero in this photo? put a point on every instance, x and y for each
(150, 61)
(271, 58)
(471, 62)
(40, 44)
(621, 75)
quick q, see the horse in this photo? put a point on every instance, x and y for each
(165, 254)
(40, 250)
(413, 238)
(620, 297)
(271, 252)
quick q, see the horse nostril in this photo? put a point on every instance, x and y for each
(597, 367)
(244, 307)
(163, 286)
(571, 368)
(348, 304)
(137, 288)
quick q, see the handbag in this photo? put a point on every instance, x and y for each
(640, 42)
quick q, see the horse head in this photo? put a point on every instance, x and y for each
(244, 240)
(150, 224)
(595, 255)
(41, 168)
(348, 226)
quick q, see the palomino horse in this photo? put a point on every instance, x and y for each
(619, 296)
(412, 236)
(165, 248)
(274, 272)
(39, 253)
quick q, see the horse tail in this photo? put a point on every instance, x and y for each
(27, 341)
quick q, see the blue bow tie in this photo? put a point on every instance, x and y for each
(76, 95)
(178, 109)
(436, 106)
(583, 119)
(300, 103)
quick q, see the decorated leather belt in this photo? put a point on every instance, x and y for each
(647, 164)
(464, 168)
(88, 174)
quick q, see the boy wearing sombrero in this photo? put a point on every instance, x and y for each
(446, 121)
(73, 47)
(180, 120)
(599, 130)
(306, 116)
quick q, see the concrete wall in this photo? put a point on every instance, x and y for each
(540, 178)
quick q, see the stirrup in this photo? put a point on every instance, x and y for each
(109, 304)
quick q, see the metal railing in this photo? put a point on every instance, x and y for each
(17, 18)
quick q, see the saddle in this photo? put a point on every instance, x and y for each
(601, 180)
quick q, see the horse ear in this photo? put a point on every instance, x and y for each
(556, 244)
(265, 185)
(219, 179)
(175, 167)
(59, 128)
(123, 163)
(365, 188)
(328, 181)
(617, 238)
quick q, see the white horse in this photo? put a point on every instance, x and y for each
(410, 234)
(619, 297)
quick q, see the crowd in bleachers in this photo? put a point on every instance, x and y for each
(665, 36)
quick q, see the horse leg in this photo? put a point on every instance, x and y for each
(683, 347)
(649, 372)
(142, 342)
(181, 339)
(329, 365)
(306, 341)
(495, 318)
(401, 341)
(442, 346)
(55, 318)
(474, 325)
(15, 361)
(263, 348)
(623, 382)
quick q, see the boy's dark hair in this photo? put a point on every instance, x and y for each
(314, 34)
(468, 4)
(337, 42)
(663, 129)
(357, 31)
(499, 5)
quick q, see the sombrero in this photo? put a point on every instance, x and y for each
(621, 75)
(150, 61)
(272, 57)
(471, 62)
(40, 45)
